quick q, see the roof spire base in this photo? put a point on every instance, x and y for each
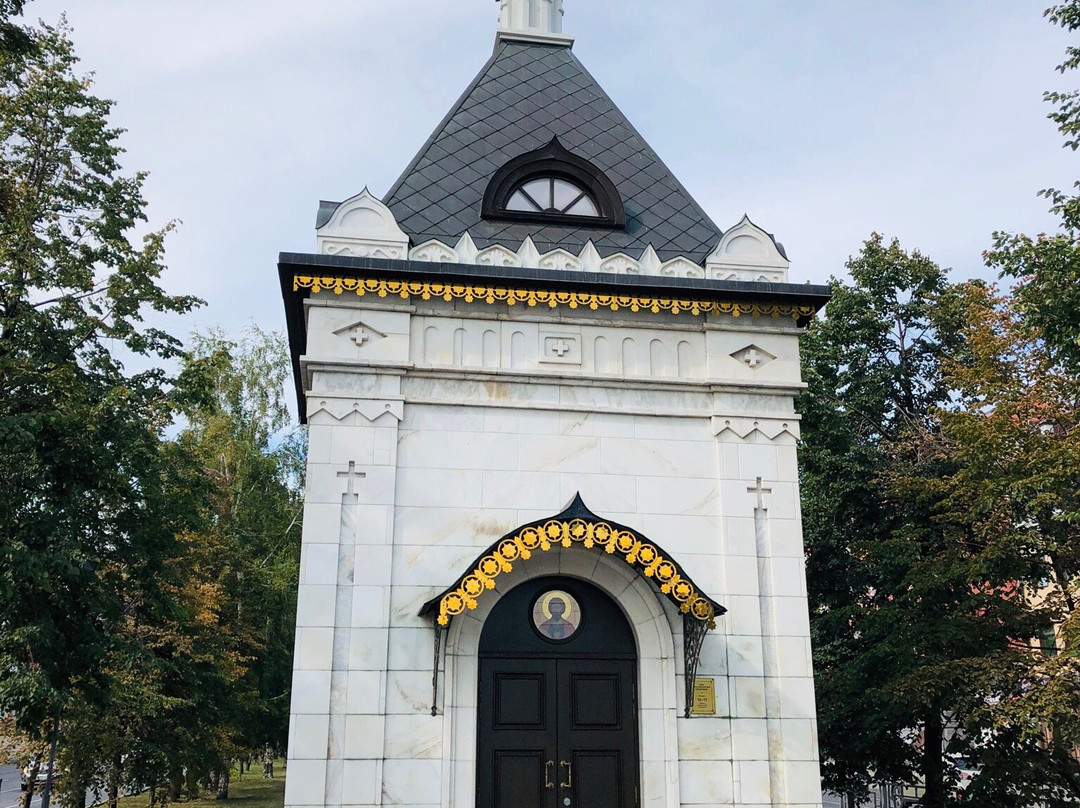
(533, 38)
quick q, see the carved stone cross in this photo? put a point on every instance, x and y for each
(560, 348)
(753, 359)
(352, 474)
(761, 491)
(360, 336)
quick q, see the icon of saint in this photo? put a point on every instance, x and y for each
(557, 627)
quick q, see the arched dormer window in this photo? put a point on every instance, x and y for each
(553, 186)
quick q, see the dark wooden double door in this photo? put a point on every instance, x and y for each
(559, 730)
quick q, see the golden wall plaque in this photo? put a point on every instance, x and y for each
(704, 697)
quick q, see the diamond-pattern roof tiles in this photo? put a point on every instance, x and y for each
(525, 95)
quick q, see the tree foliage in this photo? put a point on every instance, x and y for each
(900, 626)
(150, 539)
(942, 528)
(81, 462)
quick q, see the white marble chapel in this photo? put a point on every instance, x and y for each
(552, 549)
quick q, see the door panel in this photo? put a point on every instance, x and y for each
(594, 701)
(552, 730)
(519, 779)
(557, 719)
(599, 780)
(520, 700)
(598, 732)
(517, 733)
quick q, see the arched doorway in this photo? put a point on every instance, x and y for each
(557, 700)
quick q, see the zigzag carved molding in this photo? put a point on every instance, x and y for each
(588, 260)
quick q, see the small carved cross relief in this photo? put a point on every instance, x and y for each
(753, 357)
(560, 348)
(352, 475)
(360, 333)
(761, 491)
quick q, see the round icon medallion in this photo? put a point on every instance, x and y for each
(556, 615)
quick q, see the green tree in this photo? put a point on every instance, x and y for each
(83, 472)
(904, 623)
(1013, 448)
(201, 670)
(15, 40)
(1046, 267)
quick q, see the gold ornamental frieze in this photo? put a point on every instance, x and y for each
(645, 557)
(479, 293)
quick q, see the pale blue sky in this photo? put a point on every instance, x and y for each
(822, 119)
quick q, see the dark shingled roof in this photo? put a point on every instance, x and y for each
(525, 95)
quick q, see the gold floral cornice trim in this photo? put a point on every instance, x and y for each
(496, 294)
(566, 533)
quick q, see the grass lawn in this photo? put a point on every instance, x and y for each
(251, 792)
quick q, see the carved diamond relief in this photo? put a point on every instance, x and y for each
(753, 357)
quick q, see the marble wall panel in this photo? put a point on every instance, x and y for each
(364, 737)
(432, 526)
(541, 491)
(408, 693)
(705, 739)
(670, 495)
(314, 649)
(412, 782)
(440, 488)
(749, 696)
(360, 782)
(310, 692)
(307, 736)
(443, 449)
(754, 787)
(705, 782)
(803, 780)
(797, 699)
(743, 616)
(364, 692)
(418, 736)
(306, 782)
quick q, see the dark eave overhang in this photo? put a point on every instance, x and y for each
(291, 265)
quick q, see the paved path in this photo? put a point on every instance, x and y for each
(10, 793)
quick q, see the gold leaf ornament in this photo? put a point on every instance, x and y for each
(560, 533)
(490, 295)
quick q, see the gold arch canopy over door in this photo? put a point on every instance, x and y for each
(578, 526)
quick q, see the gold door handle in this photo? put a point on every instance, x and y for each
(569, 774)
(547, 774)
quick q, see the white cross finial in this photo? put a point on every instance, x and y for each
(352, 474)
(761, 491)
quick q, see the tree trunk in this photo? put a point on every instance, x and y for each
(192, 783)
(176, 781)
(933, 761)
(35, 769)
(223, 785)
(153, 796)
(46, 793)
